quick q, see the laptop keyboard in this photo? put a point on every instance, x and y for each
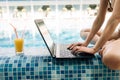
(65, 52)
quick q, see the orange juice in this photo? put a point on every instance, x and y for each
(19, 42)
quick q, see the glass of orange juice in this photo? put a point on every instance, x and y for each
(19, 44)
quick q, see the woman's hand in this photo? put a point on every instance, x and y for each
(75, 44)
(77, 49)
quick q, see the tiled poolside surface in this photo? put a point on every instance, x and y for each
(31, 67)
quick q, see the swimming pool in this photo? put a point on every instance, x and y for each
(68, 33)
(35, 40)
(36, 67)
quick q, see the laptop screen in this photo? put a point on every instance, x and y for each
(45, 34)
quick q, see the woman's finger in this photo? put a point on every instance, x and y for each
(74, 49)
(74, 45)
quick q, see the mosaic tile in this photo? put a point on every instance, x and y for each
(47, 68)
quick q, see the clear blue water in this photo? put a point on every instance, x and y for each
(35, 40)
(68, 32)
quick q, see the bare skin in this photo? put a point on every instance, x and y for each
(108, 39)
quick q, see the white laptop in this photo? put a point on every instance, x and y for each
(57, 50)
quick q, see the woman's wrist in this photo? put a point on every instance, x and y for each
(95, 49)
(85, 44)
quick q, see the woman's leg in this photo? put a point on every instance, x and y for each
(85, 32)
(111, 54)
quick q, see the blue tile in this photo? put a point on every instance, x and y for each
(70, 76)
(32, 65)
(40, 73)
(19, 77)
(5, 69)
(23, 69)
(27, 69)
(58, 72)
(10, 70)
(28, 65)
(7, 61)
(41, 77)
(23, 73)
(45, 72)
(66, 75)
(83, 71)
(100, 75)
(32, 61)
(44, 68)
(32, 77)
(66, 72)
(79, 71)
(117, 74)
(18, 69)
(19, 65)
(10, 65)
(36, 64)
(47, 68)
(37, 77)
(27, 77)
(6, 65)
(62, 72)
(49, 72)
(15, 78)
(31, 73)
(32, 69)
(1, 70)
(6, 78)
(58, 68)
(20, 61)
(6, 74)
(53, 68)
(10, 78)
(1, 65)
(15, 61)
(75, 71)
(14, 69)
(14, 73)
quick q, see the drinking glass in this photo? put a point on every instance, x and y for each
(19, 46)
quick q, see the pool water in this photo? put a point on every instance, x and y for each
(66, 36)
(67, 31)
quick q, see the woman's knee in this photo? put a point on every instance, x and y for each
(111, 60)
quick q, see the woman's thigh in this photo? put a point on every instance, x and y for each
(111, 54)
(112, 46)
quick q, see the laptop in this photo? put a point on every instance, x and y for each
(57, 50)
